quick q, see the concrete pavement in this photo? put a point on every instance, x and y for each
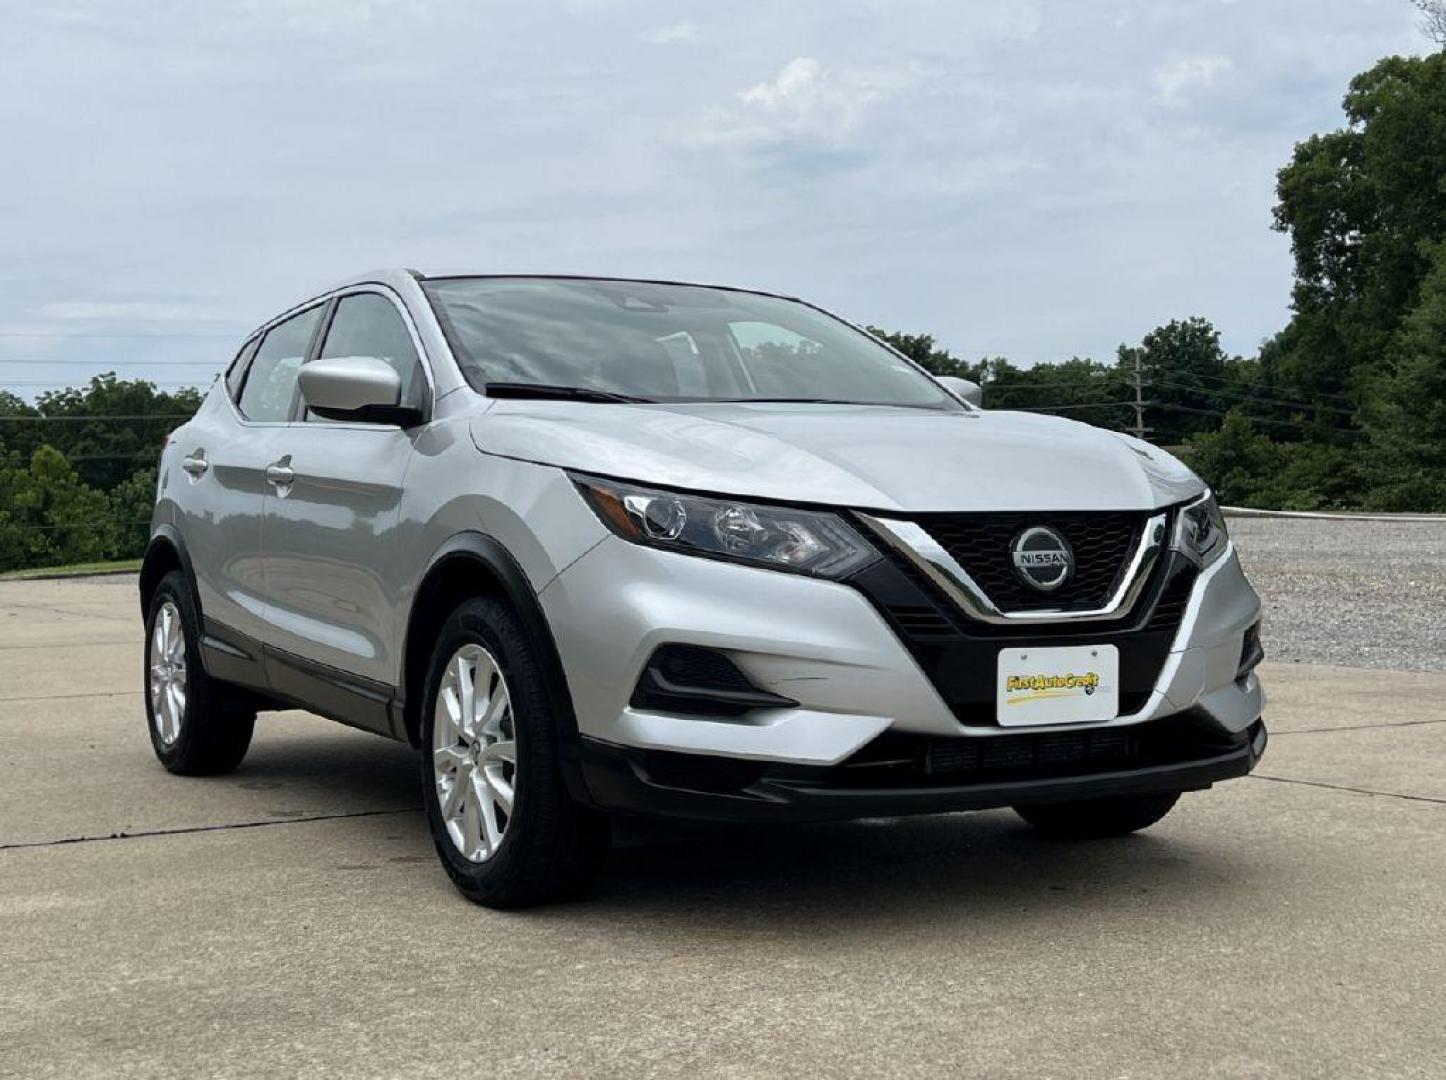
(291, 920)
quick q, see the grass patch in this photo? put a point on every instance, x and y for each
(123, 566)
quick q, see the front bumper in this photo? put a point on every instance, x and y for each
(860, 678)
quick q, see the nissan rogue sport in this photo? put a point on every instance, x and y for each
(600, 547)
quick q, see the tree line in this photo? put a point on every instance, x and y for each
(78, 470)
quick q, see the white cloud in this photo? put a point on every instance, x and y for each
(805, 103)
(1179, 77)
(674, 34)
(143, 310)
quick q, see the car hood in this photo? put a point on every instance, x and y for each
(864, 456)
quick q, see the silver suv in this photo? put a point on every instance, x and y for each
(601, 546)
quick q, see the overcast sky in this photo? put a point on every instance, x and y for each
(1031, 178)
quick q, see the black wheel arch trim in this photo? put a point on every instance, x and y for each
(494, 557)
(165, 535)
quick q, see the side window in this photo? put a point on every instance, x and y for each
(367, 324)
(270, 386)
(237, 371)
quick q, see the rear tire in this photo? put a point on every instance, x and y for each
(506, 829)
(195, 729)
(1094, 819)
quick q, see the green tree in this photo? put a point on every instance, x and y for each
(1078, 388)
(1184, 368)
(1247, 468)
(1233, 459)
(78, 469)
(51, 516)
(111, 427)
(921, 349)
(1358, 203)
(1406, 419)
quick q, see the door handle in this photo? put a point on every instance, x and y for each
(280, 475)
(196, 465)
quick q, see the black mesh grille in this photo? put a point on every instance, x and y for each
(921, 620)
(1103, 543)
(1013, 751)
(690, 665)
(691, 679)
(1170, 608)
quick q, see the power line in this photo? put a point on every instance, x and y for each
(1252, 419)
(1261, 400)
(40, 362)
(83, 419)
(139, 455)
(1237, 382)
(1043, 385)
(53, 334)
(100, 415)
(61, 385)
(1065, 408)
(69, 525)
(1103, 376)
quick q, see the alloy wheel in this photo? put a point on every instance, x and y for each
(168, 673)
(474, 752)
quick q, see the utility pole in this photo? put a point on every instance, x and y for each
(1139, 431)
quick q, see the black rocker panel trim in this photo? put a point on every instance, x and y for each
(284, 680)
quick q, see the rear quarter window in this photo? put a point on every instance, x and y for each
(236, 373)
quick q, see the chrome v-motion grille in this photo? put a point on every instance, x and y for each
(968, 557)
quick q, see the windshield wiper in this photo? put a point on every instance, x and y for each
(559, 393)
(783, 400)
(817, 401)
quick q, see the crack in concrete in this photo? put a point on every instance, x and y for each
(185, 830)
(70, 644)
(71, 697)
(50, 610)
(1350, 790)
(1357, 727)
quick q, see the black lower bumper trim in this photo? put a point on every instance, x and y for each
(724, 789)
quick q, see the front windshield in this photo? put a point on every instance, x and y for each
(668, 343)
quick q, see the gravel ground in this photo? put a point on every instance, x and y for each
(1353, 593)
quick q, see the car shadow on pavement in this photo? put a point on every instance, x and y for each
(866, 873)
(791, 877)
(358, 773)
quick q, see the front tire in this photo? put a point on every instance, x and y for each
(195, 730)
(1094, 819)
(506, 829)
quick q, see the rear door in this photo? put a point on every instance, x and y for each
(333, 581)
(220, 498)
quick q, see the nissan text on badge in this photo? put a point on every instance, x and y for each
(600, 547)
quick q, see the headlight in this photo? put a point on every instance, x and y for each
(803, 541)
(1200, 532)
